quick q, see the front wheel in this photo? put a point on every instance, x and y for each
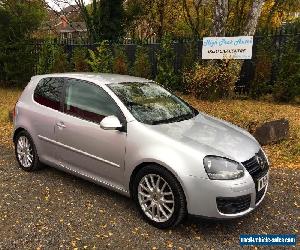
(159, 196)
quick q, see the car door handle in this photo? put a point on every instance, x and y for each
(60, 125)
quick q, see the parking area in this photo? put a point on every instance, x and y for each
(50, 209)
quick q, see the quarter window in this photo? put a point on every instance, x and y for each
(88, 101)
(48, 92)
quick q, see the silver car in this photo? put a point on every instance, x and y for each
(131, 135)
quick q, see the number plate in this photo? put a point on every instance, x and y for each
(262, 182)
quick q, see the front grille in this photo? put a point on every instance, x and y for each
(257, 167)
(232, 205)
(259, 195)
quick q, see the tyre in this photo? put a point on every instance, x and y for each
(159, 197)
(26, 152)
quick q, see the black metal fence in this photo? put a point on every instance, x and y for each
(278, 39)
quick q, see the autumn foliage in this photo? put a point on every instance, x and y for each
(213, 80)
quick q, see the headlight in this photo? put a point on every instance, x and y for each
(219, 168)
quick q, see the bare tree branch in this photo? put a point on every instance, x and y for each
(194, 23)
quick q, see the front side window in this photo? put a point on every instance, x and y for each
(151, 104)
(88, 101)
(48, 92)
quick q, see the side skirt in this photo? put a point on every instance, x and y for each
(98, 181)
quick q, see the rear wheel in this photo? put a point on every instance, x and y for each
(159, 196)
(26, 152)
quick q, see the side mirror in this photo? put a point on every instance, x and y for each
(110, 123)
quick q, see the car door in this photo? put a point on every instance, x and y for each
(47, 97)
(86, 148)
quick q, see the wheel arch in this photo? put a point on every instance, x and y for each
(143, 164)
(17, 131)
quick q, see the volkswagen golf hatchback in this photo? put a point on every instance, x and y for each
(131, 135)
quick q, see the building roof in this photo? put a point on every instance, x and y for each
(72, 27)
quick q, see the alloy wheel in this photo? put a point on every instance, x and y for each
(156, 198)
(24, 152)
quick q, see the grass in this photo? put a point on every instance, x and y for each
(244, 113)
(8, 98)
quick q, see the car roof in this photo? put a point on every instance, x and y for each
(99, 78)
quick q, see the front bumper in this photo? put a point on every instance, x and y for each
(202, 195)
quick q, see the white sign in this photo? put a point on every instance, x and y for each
(238, 47)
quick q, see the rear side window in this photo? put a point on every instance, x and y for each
(89, 101)
(48, 92)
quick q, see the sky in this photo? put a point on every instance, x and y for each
(54, 6)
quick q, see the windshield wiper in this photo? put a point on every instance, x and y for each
(174, 119)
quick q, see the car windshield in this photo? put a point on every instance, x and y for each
(151, 104)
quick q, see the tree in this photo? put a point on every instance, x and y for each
(133, 11)
(104, 18)
(220, 17)
(107, 18)
(78, 60)
(251, 21)
(156, 11)
(18, 21)
(141, 66)
(156, 17)
(101, 60)
(165, 64)
(253, 17)
(237, 15)
(193, 22)
(120, 63)
(287, 86)
(197, 15)
(276, 12)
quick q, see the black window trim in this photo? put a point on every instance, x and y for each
(61, 95)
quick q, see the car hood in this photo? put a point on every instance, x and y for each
(211, 136)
